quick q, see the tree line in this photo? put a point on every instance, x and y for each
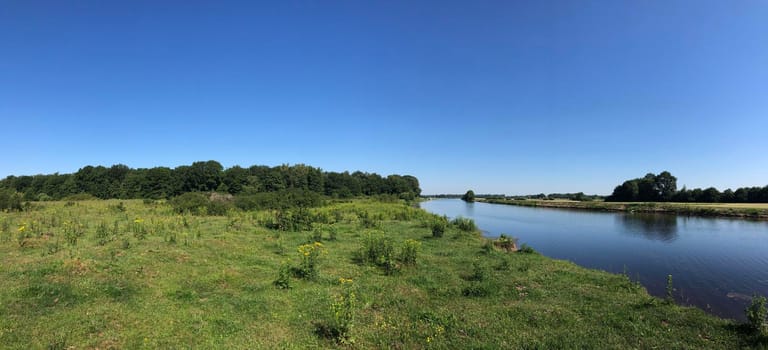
(122, 182)
(663, 188)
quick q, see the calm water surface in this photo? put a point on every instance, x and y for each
(716, 264)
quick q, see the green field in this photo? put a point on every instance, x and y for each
(136, 275)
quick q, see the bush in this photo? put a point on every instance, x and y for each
(198, 203)
(190, 202)
(438, 227)
(409, 251)
(756, 313)
(464, 224)
(526, 249)
(284, 199)
(379, 250)
(10, 200)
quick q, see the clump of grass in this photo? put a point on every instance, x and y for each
(283, 280)
(464, 224)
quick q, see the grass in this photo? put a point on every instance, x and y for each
(145, 278)
(758, 211)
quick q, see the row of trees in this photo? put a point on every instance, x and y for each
(120, 181)
(663, 188)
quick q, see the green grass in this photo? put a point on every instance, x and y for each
(167, 281)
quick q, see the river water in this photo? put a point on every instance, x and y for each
(716, 264)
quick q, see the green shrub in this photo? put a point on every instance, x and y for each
(526, 249)
(409, 251)
(380, 251)
(10, 200)
(479, 272)
(284, 199)
(756, 313)
(190, 202)
(464, 224)
(438, 227)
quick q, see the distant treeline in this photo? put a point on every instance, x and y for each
(663, 188)
(578, 196)
(120, 181)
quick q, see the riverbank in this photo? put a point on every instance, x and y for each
(755, 211)
(106, 274)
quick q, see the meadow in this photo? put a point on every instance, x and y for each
(361, 273)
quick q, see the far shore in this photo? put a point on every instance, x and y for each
(754, 211)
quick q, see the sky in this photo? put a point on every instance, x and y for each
(514, 97)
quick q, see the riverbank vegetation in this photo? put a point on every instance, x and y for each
(758, 211)
(663, 188)
(362, 273)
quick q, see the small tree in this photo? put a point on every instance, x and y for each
(469, 196)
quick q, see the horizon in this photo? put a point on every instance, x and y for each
(515, 98)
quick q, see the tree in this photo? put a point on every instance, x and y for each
(469, 196)
(665, 186)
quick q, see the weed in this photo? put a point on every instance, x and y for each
(309, 255)
(283, 280)
(102, 233)
(409, 251)
(342, 310)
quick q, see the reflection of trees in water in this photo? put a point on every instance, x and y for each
(662, 227)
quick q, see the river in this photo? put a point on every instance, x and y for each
(716, 264)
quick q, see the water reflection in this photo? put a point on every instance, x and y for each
(661, 227)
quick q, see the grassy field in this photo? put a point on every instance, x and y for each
(758, 211)
(135, 275)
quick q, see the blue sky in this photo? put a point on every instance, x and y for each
(510, 97)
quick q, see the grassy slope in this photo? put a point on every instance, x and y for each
(213, 288)
(740, 210)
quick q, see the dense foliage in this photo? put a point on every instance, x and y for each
(120, 181)
(469, 196)
(663, 188)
